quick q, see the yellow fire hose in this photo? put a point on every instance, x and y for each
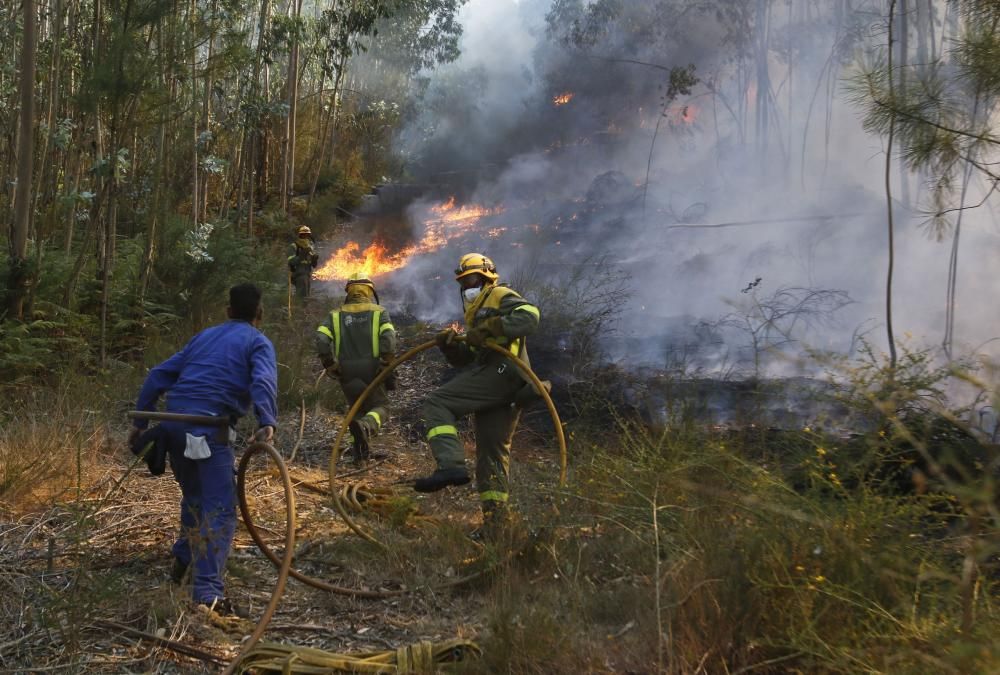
(286, 561)
(416, 659)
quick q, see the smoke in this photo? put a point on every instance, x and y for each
(748, 192)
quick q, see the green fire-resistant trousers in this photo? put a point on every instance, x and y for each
(374, 411)
(486, 391)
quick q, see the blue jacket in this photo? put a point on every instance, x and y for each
(220, 371)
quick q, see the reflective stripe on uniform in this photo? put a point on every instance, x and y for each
(375, 416)
(493, 496)
(375, 317)
(514, 347)
(448, 429)
(384, 327)
(530, 309)
(325, 331)
(335, 319)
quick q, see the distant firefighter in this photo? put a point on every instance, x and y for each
(355, 343)
(302, 260)
(487, 386)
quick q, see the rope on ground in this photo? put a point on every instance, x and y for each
(421, 658)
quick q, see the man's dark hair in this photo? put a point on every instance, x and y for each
(244, 301)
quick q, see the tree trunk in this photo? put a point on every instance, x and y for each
(335, 113)
(20, 274)
(195, 191)
(293, 103)
(888, 199)
(903, 31)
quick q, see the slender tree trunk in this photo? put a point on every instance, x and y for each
(71, 219)
(888, 198)
(206, 110)
(903, 30)
(149, 254)
(20, 274)
(254, 126)
(53, 86)
(195, 191)
(293, 105)
(335, 115)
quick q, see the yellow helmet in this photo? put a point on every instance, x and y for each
(304, 231)
(360, 279)
(476, 263)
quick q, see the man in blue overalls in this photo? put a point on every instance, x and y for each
(220, 372)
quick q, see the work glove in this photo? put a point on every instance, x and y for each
(446, 338)
(264, 434)
(390, 379)
(332, 368)
(491, 327)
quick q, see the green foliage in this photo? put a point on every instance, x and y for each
(226, 257)
(676, 545)
(33, 348)
(940, 112)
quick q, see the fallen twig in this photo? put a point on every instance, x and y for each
(178, 647)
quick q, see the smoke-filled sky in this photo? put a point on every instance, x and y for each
(811, 217)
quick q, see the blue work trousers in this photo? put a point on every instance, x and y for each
(208, 509)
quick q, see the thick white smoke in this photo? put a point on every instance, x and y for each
(811, 219)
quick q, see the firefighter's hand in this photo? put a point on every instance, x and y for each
(332, 368)
(446, 338)
(390, 379)
(264, 434)
(477, 336)
(133, 435)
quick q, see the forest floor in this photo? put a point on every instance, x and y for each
(78, 562)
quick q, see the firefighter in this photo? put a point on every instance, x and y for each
(302, 260)
(220, 372)
(354, 343)
(487, 386)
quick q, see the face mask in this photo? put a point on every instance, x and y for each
(470, 294)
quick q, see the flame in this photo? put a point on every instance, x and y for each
(563, 98)
(446, 222)
(350, 259)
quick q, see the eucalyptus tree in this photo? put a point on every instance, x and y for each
(942, 120)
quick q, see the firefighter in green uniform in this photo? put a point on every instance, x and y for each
(354, 343)
(487, 386)
(302, 259)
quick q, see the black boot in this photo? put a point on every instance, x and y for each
(360, 433)
(441, 479)
(178, 571)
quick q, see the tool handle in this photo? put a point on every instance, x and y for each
(207, 420)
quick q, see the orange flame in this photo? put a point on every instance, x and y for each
(563, 99)
(446, 223)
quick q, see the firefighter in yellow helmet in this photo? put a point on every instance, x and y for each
(302, 259)
(487, 386)
(354, 343)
